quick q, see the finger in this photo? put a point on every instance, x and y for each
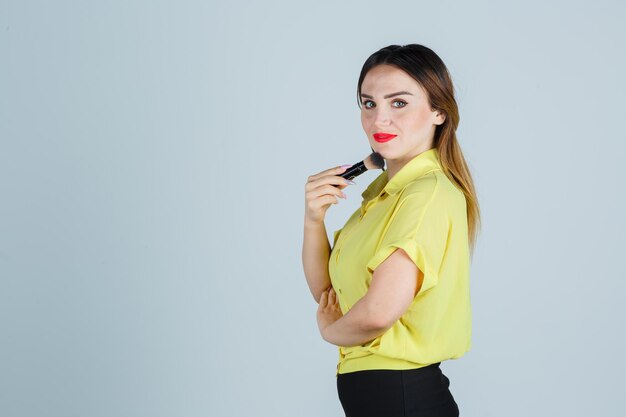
(331, 171)
(324, 190)
(334, 180)
(326, 184)
(323, 298)
(324, 201)
(331, 296)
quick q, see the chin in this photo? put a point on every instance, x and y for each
(386, 154)
(383, 152)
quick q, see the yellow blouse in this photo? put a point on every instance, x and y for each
(421, 211)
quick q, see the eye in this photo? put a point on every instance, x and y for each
(365, 102)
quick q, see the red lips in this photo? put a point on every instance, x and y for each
(383, 137)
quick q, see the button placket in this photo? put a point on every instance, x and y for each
(342, 238)
(371, 202)
(364, 208)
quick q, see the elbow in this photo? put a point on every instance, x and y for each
(376, 320)
(379, 324)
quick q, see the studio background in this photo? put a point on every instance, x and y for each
(153, 157)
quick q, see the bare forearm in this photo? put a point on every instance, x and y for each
(315, 255)
(356, 327)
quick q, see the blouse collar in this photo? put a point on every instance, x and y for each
(415, 168)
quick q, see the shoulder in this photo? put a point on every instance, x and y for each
(423, 186)
(436, 188)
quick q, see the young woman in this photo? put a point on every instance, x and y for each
(393, 292)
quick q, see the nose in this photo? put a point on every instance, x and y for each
(382, 118)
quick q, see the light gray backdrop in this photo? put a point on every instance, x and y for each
(153, 157)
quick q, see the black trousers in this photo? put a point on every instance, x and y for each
(421, 392)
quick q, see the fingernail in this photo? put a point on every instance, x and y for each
(351, 182)
(346, 166)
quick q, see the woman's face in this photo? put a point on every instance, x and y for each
(408, 116)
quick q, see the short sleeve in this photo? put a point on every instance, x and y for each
(421, 228)
(336, 235)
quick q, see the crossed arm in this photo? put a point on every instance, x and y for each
(394, 284)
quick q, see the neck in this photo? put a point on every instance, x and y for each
(394, 165)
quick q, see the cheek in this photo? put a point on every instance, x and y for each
(417, 120)
(366, 122)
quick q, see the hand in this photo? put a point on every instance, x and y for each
(328, 311)
(322, 190)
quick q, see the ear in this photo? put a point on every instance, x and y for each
(440, 118)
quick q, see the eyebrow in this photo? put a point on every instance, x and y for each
(399, 93)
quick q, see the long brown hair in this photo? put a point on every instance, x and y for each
(430, 72)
